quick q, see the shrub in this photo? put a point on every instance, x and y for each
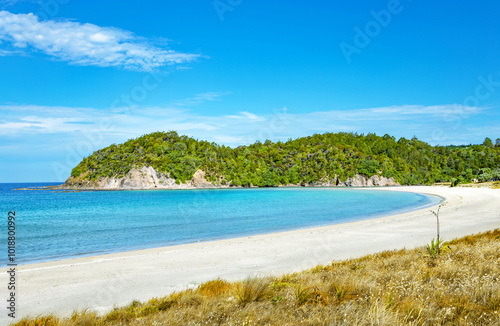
(214, 288)
(252, 289)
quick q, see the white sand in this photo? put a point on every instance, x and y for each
(101, 282)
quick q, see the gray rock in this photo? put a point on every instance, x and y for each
(373, 181)
(146, 177)
(199, 180)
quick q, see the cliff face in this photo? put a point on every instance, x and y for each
(148, 178)
(373, 181)
(143, 178)
(358, 181)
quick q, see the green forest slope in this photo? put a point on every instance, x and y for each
(306, 160)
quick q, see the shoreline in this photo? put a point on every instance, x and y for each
(101, 282)
(135, 248)
(63, 187)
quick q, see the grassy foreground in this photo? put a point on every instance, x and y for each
(405, 287)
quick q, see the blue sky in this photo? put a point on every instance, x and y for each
(77, 76)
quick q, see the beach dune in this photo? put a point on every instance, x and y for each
(101, 282)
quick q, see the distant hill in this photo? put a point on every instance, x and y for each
(329, 158)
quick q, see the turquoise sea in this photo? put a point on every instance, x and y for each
(52, 225)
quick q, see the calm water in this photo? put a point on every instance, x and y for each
(55, 225)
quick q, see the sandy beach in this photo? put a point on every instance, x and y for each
(101, 282)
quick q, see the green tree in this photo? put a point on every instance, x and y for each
(268, 179)
(303, 160)
(368, 167)
(488, 143)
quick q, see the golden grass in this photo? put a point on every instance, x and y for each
(489, 185)
(405, 287)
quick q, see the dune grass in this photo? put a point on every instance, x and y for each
(406, 287)
(488, 185)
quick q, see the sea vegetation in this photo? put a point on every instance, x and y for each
(308, 160)
(458, 286)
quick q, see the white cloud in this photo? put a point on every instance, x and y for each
(84, 44)
(4, 53)
(434, 124)
(200, 98)
(8, 3)
(251, 116)
(425, 110)
(247, 116)
(64, 135)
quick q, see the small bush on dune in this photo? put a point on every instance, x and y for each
(304, 294)
(39, 321)
(215, 288)
(252, 289)
(433, 248)
(85, 318)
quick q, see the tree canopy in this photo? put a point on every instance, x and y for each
(305, 160)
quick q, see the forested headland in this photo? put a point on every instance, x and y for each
(306, 160)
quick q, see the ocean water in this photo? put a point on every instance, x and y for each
(52, 225)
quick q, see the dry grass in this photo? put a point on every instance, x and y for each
(459, 287)
(489, 185)
(252, 290)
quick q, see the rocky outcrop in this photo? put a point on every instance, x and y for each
(356, 181)
(199, 180)
(146, 177)
(377, 181)
(139, 178)
(373, 181)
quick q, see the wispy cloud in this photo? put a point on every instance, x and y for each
(200, 98)
(7, 3)
(4, 53)
(84, 44)
(250, 117)
(399, 112)
(245, 127)
(64, 135)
